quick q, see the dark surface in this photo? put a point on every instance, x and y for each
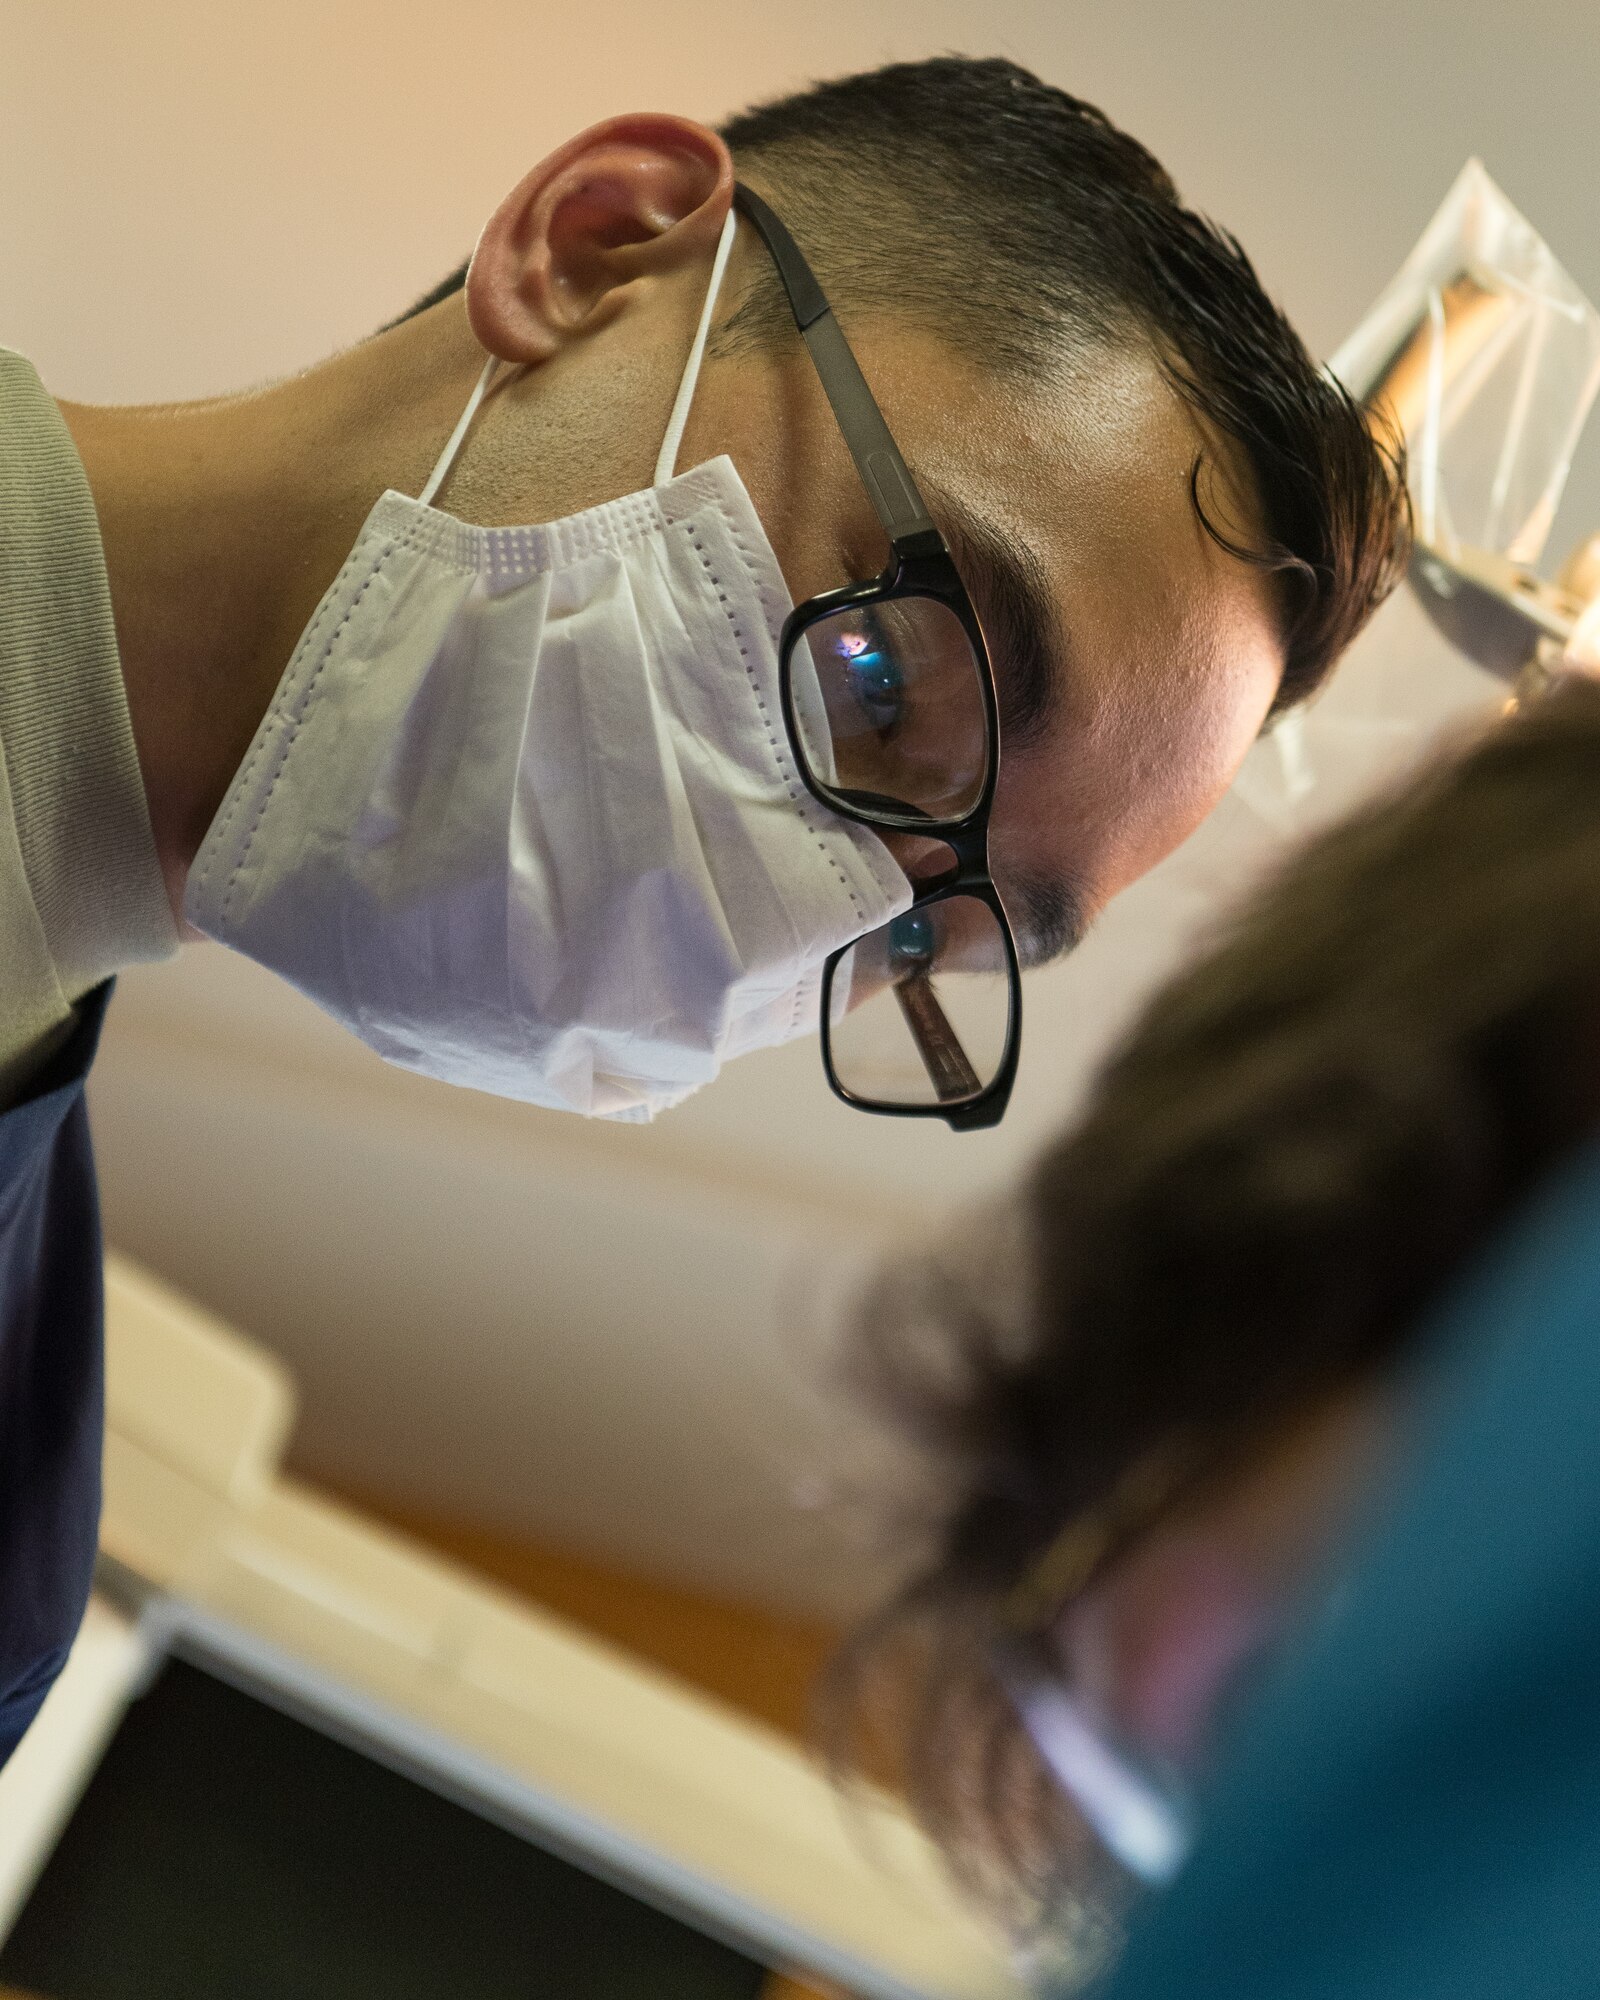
(51, 1320)
(224, 1851)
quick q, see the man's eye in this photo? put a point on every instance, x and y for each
(878, 684)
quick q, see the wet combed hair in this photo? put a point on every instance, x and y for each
(968, 196)
(1304, 1140)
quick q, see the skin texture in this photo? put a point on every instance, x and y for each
(1166, 1639)
(225, 521)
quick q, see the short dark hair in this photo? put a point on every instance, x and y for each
(1300, 1147)
(967, 194)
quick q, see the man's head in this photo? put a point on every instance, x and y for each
(1155, 1394)
(1169, 521)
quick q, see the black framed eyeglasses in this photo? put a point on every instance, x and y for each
(889, 700)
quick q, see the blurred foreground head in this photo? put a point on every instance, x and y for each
(1153, 1388)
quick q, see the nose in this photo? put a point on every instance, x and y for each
(921, 860)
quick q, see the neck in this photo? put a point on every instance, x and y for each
(225, 521)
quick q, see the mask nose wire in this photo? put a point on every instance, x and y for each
(668, 458)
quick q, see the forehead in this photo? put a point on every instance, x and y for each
(1090, 469)
(1169, 645)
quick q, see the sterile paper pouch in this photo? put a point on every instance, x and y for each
(1486, 356)
(1489, 356)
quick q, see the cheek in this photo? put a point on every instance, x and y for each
(1191, 753)
(1186, 1652)
(1163, 1646)
(1115, 791)
(1167, 755)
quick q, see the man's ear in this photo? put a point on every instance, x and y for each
(636, 198)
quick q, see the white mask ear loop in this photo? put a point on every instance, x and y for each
(447, 457)
(680, 408)
(667, 462)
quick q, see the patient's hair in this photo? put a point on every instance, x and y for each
(967, 196)
(1302, 1142)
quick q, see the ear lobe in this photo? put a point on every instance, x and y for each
(633, 199)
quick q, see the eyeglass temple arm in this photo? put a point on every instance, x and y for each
(938, 1044)
(884, 473)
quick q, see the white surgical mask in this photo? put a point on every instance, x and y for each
(523, 813)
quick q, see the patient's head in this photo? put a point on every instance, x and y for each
(1152, 1386)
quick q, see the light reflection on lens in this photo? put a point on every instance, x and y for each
(903, 696)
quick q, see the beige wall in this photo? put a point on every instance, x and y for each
(588, 1336)
(200, 195)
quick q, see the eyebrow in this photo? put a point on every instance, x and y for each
(1031, 653)
(1050, 917)
(1028, 646)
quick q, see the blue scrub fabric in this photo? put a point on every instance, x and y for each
(51, 1374)
(1412, 1810)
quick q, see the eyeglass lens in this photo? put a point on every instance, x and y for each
(902, 716)
(920, 1010)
